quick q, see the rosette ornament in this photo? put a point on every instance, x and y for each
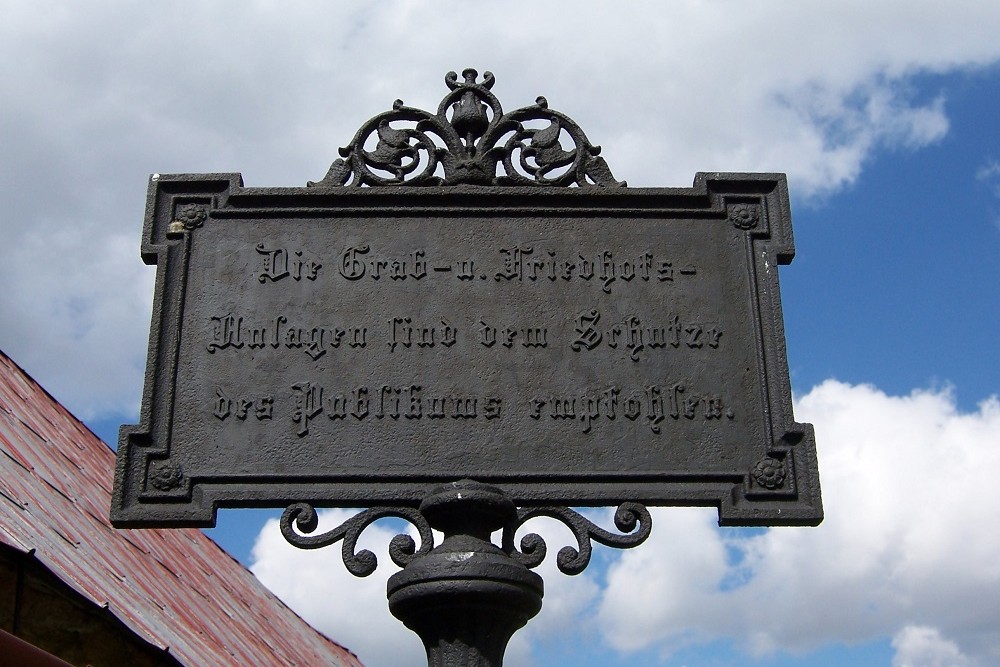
(470, 141)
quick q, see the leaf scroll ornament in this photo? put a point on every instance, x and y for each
(469, 140)
(633, 519)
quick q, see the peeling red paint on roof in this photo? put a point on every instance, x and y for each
(175, 588)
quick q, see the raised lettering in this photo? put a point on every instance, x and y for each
(360, 403)
(308, 404)
(607, 271)
(222, 404)
(513, 263)
(279, 263)
(487, 334)
(400, 333)
(275, 264)
(491, 407)
(436, 407)
(416, 405)
(586, 335)
(466, 269)
(465, 407)
(351, 267)
(534, 337)
(226, 332)
(389, 400)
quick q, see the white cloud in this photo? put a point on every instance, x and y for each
(905, 543)
(989, 175)
(355, 611)
(97, 98)
(317, 585)
(567, 598)
(920, 646)
(989, 172)
(80, 303)
(906, 551)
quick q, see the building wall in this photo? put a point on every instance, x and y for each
(40, 609)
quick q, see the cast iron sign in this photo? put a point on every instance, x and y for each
(358, 346)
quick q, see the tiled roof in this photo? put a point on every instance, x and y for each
(175, 588)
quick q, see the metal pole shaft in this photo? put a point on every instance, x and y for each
(466, 597)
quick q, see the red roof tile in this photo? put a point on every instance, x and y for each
(176, 588)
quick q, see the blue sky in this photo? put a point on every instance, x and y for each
(885, 119)
(894, 276)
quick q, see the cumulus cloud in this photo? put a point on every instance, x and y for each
(318, 587)
(904, 550)
(355, 611)
(988, 175)
(79, 315)
(97, 98)
(920, 646)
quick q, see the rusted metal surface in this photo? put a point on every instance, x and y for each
(175, 589)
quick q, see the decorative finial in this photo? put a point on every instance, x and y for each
(482, 145)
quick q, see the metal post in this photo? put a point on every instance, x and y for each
(466, 597)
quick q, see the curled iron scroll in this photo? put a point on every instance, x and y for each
(631, 518)
(473, 142)
(402, 548)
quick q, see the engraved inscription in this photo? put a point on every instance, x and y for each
(632, 334)
(404, 333)
(635, 336)
(393, 402)
(489, 335)
(241, 407)
(653, 404)
(279, 263)
(516, 263)
(355, 264)
(515, 267)
(232, 331)
(521, 263)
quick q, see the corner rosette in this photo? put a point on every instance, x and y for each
(770, 473)
(744, 216)
(165, 476)
(187, 217)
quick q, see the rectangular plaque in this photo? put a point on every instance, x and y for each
(571, 346)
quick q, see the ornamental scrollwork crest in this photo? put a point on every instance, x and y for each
(632, 519)
(402, 548)
(470, 141)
